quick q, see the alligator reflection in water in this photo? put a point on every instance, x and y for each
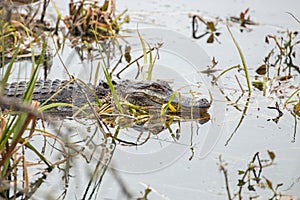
(148, 104)
(156, 123)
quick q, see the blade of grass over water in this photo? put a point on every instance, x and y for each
(248, 84)
(10, 65)
(240, 121)
(225, 71)
(54, 105)
(34, 75)
(147, 66)
(109, 81)
(242, 59)
(41, 156)
(290, 97)
(59, 17)
(144, 54)
(97, 73)
(151, 64)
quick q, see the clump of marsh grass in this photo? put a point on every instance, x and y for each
(23, 30)
(15, 134)
(89, 20)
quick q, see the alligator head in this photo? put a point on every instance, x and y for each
(155, 94)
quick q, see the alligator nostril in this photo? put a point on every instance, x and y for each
(157, 87)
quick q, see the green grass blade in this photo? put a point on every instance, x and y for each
(169, 105)
(6, 133)
(112, 89)
(54, 105)
(290, 97)
(97, 73)
(10, 65)
(41, 156)
(59, 16)
(144, 54)
(242, 59)
(225, 71)
(13, 133)
(151, 64)
(56, 93)
(33, 78)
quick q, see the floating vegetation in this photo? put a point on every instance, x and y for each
(211, 28)
(243, 19)
(89, 21)
(147, 67)
(284, 52)
(211, 69)
(278, 72)
(24, 28)
(276, 77)
(252, 179)
(280, 113)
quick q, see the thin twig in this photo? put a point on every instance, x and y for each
(17, 105)
(297, 20)
(224, 170)
(135, 60)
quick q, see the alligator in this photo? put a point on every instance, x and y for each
(150, 95)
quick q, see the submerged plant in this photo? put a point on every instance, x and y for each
(252, 179)
(278, 66)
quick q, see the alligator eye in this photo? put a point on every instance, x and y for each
(105, 85)
(157, 87)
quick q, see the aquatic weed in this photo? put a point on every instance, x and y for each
(252, 179)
